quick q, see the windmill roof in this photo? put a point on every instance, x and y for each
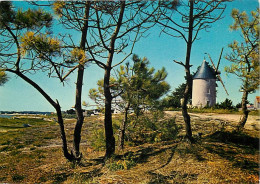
(205, 72)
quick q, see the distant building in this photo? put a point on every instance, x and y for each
(116, 110)
(91, 112)
(86, 113)
(257, 102)
(250, 106)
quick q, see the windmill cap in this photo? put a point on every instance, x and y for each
(205, 72)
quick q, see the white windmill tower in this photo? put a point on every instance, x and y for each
(204, 84)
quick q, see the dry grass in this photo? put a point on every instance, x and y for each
(33, 155)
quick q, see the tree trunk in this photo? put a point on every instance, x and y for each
(185, 114)
(56, 106)
(79, 113)
(188, 77)
(79, 84)
(244, 101)
(66, 154)
(110, 140)
(245, 111)
(123, 126)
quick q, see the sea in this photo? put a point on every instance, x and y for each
(6, 116)
(9, 114)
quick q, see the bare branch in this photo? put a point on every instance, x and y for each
(130, 51)
(179, 62)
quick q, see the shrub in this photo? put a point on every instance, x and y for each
(141, 130)
(125, 164)
(114, 166)
(152, 128)
(226, 104)
(98, 139)
(167, 130)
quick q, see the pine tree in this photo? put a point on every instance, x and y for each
(194, 16)
(245, 56)
(137, 87)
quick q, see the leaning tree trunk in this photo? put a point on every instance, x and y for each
(245, 111)
(66, 154)
(56, 106)
(123, 127)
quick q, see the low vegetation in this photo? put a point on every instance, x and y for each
(154, 153)
(222, 111)
(215, 110)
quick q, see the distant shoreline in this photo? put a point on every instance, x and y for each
(21, 114)
(24, 113)
(6, 115)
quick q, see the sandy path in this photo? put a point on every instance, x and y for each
(253, 122)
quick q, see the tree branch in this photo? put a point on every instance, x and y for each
(179, 62)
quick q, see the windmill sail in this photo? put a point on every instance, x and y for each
(219, 58)
(217, 73)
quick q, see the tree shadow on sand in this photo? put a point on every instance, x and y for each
(145, 152)
(233, 146)
(84, 176)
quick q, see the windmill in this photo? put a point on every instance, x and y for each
(204, 84)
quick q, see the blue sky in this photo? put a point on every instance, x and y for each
(160, 50)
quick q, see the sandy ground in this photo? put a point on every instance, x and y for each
(253, 122)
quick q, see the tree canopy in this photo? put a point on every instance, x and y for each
(244, 55)
(136, 84)
(27, 46)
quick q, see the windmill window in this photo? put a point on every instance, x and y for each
(208, 91)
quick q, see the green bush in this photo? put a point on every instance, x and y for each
(151, 128)
(98, 139)
(114, 166)
(167, 130)
(124, 164)
(226, 104)
(141, 130)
